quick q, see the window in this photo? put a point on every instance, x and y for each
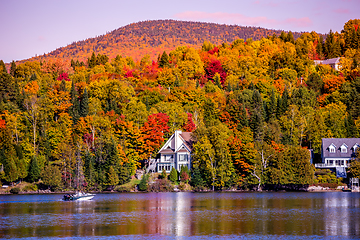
(183, 157)
(332, 149)
(168, 158)
(343, 150)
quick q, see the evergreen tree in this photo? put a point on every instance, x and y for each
(164, 60)
(351, 129)
(13, 68)
(124, 174)
(284, 101)
(290, 38)
(63, 85)
(173, 177)
(84, 104)
(196, 178)
(89, 169)
(74, 109)
(143, 185)
(92, 61)
(7, 87)
(34, 170)
(2, 67)
(271, 106)
(112, 177)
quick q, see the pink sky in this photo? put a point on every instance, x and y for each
(36, 27)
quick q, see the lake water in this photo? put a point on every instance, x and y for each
(266, 215)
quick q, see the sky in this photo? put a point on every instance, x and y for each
(34, 27)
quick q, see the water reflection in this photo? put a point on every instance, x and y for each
(279, 215)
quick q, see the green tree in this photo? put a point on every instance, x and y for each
(196, 178)
(112, 177)
(163, 174)
(124, 174)
(143, 185)
(173, 177)
(75, 107)
(34, 170)
(12, 68)
(164, 60)
(51, 176)
(84, 104)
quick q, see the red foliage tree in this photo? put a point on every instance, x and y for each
(190, 125)
(153, 133)
(215, 67)
(64, 76)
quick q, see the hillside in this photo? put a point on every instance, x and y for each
(153, 37)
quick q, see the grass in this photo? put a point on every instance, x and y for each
(128, 187)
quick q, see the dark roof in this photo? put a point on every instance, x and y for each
(188, 140)
(338, 142)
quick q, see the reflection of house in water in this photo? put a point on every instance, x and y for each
(339, 217)
(170, 214)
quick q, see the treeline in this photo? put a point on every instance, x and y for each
(254, 107)
(151, 37)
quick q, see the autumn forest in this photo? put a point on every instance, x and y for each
(89, 115)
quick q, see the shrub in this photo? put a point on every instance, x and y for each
(30, 188)
(173, 177)
(143, 185)
(15, 190)
(161, 185)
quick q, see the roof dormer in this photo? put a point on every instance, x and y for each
(332, 148)
(344, 148)
(355, 147)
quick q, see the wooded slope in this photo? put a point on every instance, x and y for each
(151, 37)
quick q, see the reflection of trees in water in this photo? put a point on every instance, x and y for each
(187, 214)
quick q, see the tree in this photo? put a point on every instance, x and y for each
(196, 178)
(51, 176)
(164, 60)
(153, 133)
(31, 104)
(34, 170)
(143, 185)
(163, 174)
(84, 104)
(173, 177)
(75, 108)
(112, 177)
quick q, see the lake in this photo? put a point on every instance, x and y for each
(183, 215)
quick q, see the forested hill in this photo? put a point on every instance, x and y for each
(153, 37)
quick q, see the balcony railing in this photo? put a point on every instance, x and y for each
(326, 165)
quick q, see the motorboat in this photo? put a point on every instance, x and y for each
(79, 196)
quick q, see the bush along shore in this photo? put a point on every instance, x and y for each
(164, 183)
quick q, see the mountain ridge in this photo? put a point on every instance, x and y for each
(152, 37)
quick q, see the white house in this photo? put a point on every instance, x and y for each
(336, 154)
(333, 62)
(175, 153)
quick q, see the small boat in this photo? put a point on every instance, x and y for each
(346, 190)
(79, 196)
